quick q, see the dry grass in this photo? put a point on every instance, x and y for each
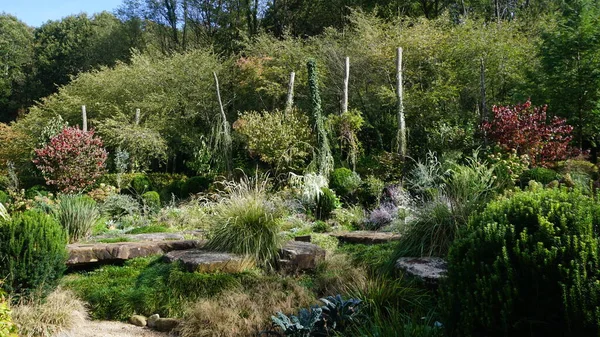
(337, 275)
(60, 311)
(244, 313)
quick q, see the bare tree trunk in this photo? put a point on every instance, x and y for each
(137, 116)
(227, 138)
(290, 96)
(483, 108)
(401, 138)
(84, 118)
(346, 81)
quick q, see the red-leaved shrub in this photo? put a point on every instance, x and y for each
(72, 160)
(526, 129)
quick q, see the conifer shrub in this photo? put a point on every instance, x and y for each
(195, 185)
(344, 182)
(141, 184)
(529, 267)
(32, 253)
(326, 204)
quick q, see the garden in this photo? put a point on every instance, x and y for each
(307, 186)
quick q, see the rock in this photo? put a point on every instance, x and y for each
(84, 254)
(165, 324)
(366, 237)
(152, 320)
(138, 320)
(300, 256)
(199, 260)
(429, 269)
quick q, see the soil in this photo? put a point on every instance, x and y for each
(110, 329)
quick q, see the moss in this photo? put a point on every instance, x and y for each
(149, 229)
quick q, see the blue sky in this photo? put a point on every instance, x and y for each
(36, 12)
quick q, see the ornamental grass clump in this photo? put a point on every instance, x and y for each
(529, 267)
(247, 220)
(77, 214)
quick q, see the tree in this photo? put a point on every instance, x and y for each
(16, 48)
(570, 57)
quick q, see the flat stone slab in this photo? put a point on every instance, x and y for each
(92, 253)
(300, 256)
(429, 269)
(366, 237)
(200, 260)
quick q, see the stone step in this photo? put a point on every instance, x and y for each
(82, 254)
(366, 237)
(206, 261)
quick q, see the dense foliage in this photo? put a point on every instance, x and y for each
(72, 160)
(529, 264)
(32, 245)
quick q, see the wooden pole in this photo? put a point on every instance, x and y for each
(225, 125)
(84, 118)
(346, 81)
(290, 96)
(137, 116)
(401, 138)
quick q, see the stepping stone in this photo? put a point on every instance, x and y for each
(94, 253)
(428, 269)
(300, 256)
(206, 261)
(150, 236)
(366, 237)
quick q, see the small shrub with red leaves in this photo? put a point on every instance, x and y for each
(527, 130)
(72, 160)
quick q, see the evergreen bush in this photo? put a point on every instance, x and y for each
(326, 204)
(32, 253)
(344, 182)
(540, 174)
(141, 184)
(529, 267)
(195, 185)
(151, 201)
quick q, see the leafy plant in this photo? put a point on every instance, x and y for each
(72, 160)
(541, 241)
(540, 174)
(32, 253)
(119, 205)
(7, 327)
(526, 129)
(345, 128)
(324, 159)
(344, 182)
(151, 201)
(326, 203)
(280, 139)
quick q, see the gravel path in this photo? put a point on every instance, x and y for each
(110, 329)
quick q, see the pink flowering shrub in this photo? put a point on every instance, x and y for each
(72, 160)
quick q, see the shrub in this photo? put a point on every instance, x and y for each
(382, 216)
(140, 184)
(326, 204)
(350, 218)
(370, 191)
(72, 160)
(540, 174)
(525, 128)
(282, 140)
(102, 192)
(247, 221)
(119, 205)
(60, 311)
(32, 247)
(34, 191)
(344, 182)
(77, 214)
(7, 327)
(195, 185)
(528, 267)
(321, 227)
(151, 201)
